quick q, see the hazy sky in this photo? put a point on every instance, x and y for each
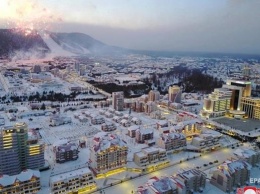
(175, 25)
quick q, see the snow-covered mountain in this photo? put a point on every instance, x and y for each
(45, 44)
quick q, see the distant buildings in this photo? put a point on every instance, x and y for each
(28, 181)
(174, 93)
(59, 120)
(77, 181)
(17, 152)
(66, 152)
(107, 153)
(172, 142)
(234, 99)
(150, 155)
(230, 175)
(36, 69)
(118, 101)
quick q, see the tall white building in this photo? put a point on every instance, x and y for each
(217, 103)
(118, 101)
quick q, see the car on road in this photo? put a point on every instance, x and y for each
(205, 164)
(211, 163)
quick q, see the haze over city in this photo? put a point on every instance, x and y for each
(230, 26)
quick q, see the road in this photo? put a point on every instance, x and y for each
(128, 186)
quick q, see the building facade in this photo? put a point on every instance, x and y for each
(17, 152)
(66, 152)
(142, 135)
(150, 155)
(172, 142)
(154, 95)
(108, 152)
(230, 175)
(190, 181)
(28, 181)
(174, 93)
(251, 106)
(77, 181)
(118, 101)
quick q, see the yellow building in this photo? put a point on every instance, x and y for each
(108, 153)
(252, 107)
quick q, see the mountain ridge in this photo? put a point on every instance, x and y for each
(14, 41)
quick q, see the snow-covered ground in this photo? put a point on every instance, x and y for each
(56, 50)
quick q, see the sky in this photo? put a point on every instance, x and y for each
(231, 26)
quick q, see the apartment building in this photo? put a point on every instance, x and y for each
(136, 121)
(17, 151)
(172, 141)
(205, 142)
(142, 135)
(188, 127)
(250, 156)
(66, 152)
(108, 152)
(131, 131)
(108, 127)
(190, 181)
(154, 95)
(163, 185)
(150, 155)
(118, 101)
(231, 174)
(28, 181)
(77, 181)
(97, 120)
(150, 107)
(251, 106)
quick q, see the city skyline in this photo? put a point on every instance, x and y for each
(216, 26)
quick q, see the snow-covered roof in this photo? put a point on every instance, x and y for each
(103, 141)
(172, 136)
(244, 153)
(68, 175)
(229, 166)
(162, 185)
(25, 175)
(133, 128)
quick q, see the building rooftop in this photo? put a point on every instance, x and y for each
(68, 175)
(103, 141)
(25, 175)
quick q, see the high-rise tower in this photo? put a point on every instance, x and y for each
(17, 152)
